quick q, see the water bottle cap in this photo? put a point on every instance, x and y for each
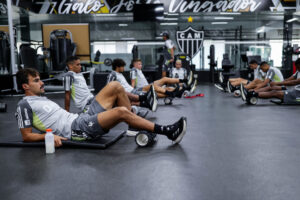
(49, 130)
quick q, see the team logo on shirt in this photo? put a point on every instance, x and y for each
(90, 124)
(190, 41)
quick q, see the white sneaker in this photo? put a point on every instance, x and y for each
(132, 132)
(194, 86)
(219, 87)
(190, 78)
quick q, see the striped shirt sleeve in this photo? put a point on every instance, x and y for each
(24, 114)
(111, 77)
(68, 79)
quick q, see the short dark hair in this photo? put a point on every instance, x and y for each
(118, 63)
(165, 34)
(264, 63)
(71, 59)
(297, 62)
(253, 62)
(22, 76)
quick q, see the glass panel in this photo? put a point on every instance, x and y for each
(235, 34)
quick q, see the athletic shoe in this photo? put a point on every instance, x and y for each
(221, 77)
(179, 92)
(244, 92)
(177, 130)
(131, 132)
(193, 86)
(152, 99)
(229, 87)
(190, 78)
(219, 87)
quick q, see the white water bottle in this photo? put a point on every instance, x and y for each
(49, 141)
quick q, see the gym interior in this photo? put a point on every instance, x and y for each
(232, 149)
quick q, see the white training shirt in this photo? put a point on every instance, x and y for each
(180, 73)
(138, 76)
(116, 76)
(80, 92)
(274, 75)
(42, 113)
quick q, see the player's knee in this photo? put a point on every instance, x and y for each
(116, 86)
(122, 112)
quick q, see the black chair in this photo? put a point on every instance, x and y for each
(4, 51)
(28, 56)
(61, 47)
(227, 67)
(30, 59)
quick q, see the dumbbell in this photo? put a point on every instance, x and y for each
(144, 139)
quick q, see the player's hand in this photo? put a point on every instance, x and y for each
(58, 139)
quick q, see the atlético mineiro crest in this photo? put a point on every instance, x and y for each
(190, 41)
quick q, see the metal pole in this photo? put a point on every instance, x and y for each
(12, 43)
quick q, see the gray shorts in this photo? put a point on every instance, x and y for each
(88, 103)
(86, 125)
(291, 96)
(137, 91)
(94, 108)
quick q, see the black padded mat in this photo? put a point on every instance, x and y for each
(279, 102)
(101, 143)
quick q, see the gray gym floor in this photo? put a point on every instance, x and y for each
(231, 151)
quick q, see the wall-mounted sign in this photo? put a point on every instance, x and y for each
(171, 6)
(190, 41)
(3, 9)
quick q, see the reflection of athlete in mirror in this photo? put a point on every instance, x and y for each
(168, 54)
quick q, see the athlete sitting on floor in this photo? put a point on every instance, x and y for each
(138, 79)
(234, 83)
(272, 75)
(41, 113)
(282, 90)
(76, 87)
(118, 66)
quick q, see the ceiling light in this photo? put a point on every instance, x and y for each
(123, 24)
(292, 20)
(150, 43)
(214, 23)
(173, 14)
(223, 18)
(168, 24)
(171, 19)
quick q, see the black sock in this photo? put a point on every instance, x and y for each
(144, 104)
(158, 129)
(183, 80)
(255, 94)
(142, 97)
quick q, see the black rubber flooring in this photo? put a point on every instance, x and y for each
(231, 151)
